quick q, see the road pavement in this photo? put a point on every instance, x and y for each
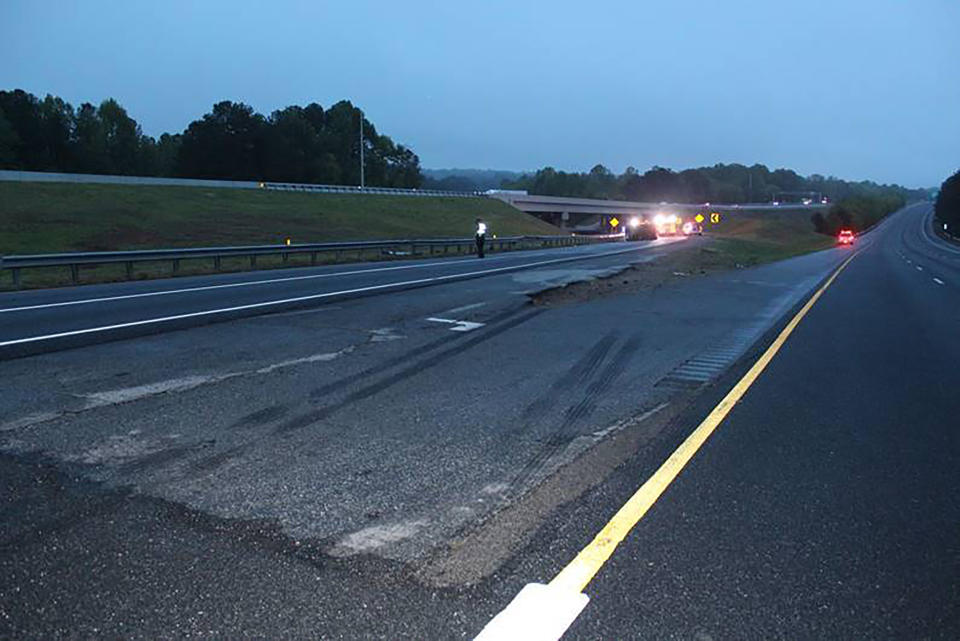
(825, 505)
(399, 465)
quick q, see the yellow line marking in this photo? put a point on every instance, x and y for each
(579, 572)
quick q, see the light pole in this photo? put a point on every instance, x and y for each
(361, 150)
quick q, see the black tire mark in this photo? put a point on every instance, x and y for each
(404, 358)
(581, 371)
(313, 416)
(565, 433)
(261, 417)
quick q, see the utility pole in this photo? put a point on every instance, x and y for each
(362, 185)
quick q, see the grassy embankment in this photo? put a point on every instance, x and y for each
(61, 217)
(742, 238)
(749, 238)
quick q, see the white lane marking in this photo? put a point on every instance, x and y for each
(463, 308)
(128, 394)
(268, 281)
(458, 325)
(249, 283)
(937, 281)
(95, 400)
(919, 268)
(538, 613)
(299, 299)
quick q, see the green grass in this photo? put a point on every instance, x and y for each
(57, 217)
(750, 238)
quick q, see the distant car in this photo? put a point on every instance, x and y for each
(845, 237)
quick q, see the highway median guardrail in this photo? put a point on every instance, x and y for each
(358, 249)
(12, 175)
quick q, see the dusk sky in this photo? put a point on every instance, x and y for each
(861, 89)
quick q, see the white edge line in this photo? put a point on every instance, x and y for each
(225, 310)
(538, 613)
(248, 283)
(251, 283)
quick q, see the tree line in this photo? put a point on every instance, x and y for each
(856, 213)
(232, 142)
(732, 183)
(947, 204)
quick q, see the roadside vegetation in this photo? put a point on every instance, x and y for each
(59, 217)
(307, 144)
(742, 239)
(65, 217)
(720, 183)
(856, 213)
(310, 144)
(947, 206)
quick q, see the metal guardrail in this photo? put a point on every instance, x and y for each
(400, 247)
(349, 189)
(45, 176)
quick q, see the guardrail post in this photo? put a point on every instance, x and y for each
(16, 277)
(176, 265)
(216, 263)
(313, 258)
(75, 273)
(129, 270)
(284, 257)
(253, 260)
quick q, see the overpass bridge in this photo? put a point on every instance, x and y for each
(592, 213)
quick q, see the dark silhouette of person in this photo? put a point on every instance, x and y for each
(481, 236)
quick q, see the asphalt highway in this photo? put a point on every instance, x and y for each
(46, 320)
(400, 465)
(825, 505)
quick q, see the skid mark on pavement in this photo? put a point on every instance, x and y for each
(313, 416)
(566, 432)
(581, 371)
(324, 390)
(261, 417)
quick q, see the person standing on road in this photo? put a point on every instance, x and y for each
(481, 236)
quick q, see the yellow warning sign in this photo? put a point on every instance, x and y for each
(614, 222)
(698, 218)
(715, 217)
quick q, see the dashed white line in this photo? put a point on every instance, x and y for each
(919, 268)
(937, 281)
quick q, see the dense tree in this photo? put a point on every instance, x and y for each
(228, 143)
(947, 206)
(91, 141)
(8, 141)
(719, 184)
(295, 144)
